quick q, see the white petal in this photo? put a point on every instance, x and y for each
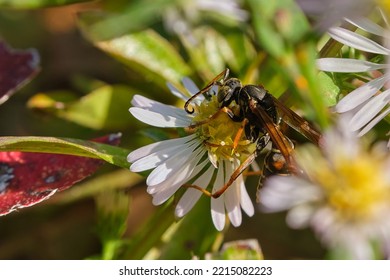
(246, 202)
(190, 85)
(167, 188)
(300, 216)
(367, 25)
(163, 118)
(153, 160)
(360, 95)
(182, 175)
(369, 111)
(158, 146)
(158, 107)
(191, 196)
(357, 41)
(147, 103)
(282, 193)
(232, 197)
(174, 163)
(359, 248)
(347, 65)
(177, 92)
(158, 157)
(217, 204)
(372, 123)
(323, 222)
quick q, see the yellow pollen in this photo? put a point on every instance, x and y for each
(219, 132)
(354, 188)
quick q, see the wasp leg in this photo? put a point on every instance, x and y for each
(239, 134)
(232, 178)
(224, 110)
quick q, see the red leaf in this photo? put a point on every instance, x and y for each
(16, 69)
(29, 178)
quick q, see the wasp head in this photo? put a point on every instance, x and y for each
(226, 93)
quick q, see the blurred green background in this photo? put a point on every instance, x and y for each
(94, 57)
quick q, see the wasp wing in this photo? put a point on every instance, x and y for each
(278, 139)
(297, 122)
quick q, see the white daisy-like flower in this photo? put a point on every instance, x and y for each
(193, 159)
(370, 102)
(344, 195)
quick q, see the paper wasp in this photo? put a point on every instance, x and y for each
(261, 116)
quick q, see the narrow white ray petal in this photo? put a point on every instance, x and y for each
(158, 107)
(360, 95)
(177, 92)
(367, 25)
(370, 110)
(141, 101)
(188, 170)
(300, 216)
(357, 41)
(232, 197)
(144, 102)
(347, 65)
(158, 146)
(161, 119)
(156, 158)
(171, 165)
(372, 123)
(246, 202)
(323, 222)
(385, 17)
(282, 193)
(153, 160)
(191, 196)
(182, 176)
(190, 85)
(217, 204)
(167, 188)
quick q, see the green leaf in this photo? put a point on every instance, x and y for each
(67, 146)
(34, 4)
(115, 180)
(149, 54)
(278, 24)
(328, 89)
(103, 108)
(133, 17)
(217, 48)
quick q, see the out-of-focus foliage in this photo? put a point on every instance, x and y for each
(36, 4)
(95, 56)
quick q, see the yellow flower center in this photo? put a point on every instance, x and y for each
(219, 132)
(385, 5)
(354, 188)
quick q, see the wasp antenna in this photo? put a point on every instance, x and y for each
(190, 100)
(226, 75)
(216, 81)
